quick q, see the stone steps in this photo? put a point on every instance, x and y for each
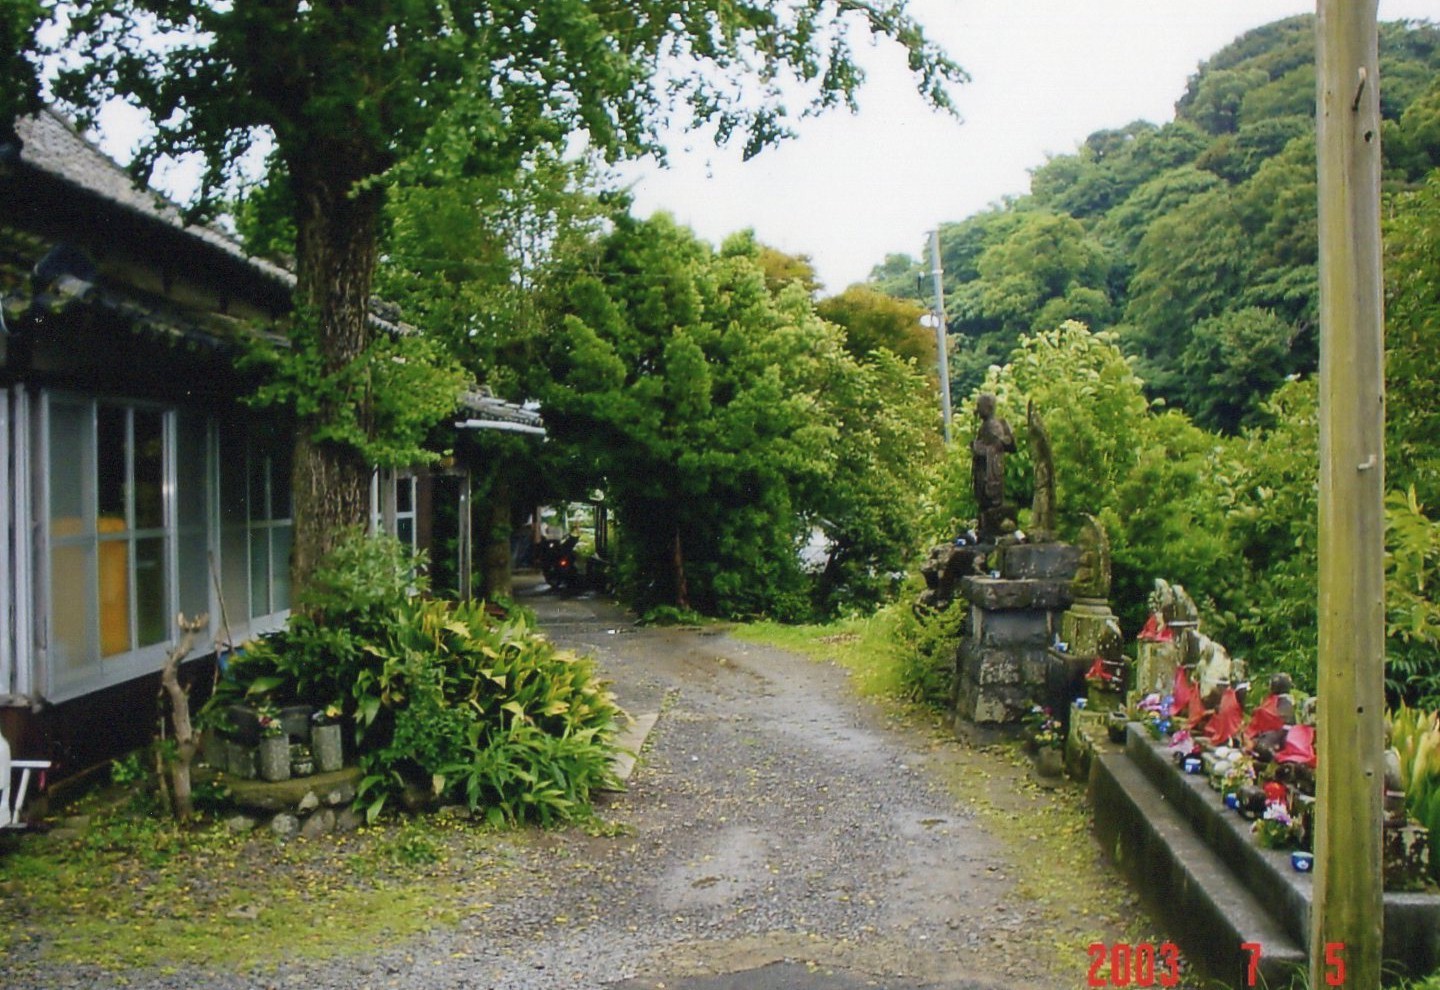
(1168, 824)
(1209, 912)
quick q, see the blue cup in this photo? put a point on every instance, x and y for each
(1302, 861)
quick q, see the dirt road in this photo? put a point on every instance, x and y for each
(788, 834)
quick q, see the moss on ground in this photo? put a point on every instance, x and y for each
(133, 890)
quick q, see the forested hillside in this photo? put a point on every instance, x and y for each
(1193, 241)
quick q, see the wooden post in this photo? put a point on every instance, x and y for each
(1347, 917)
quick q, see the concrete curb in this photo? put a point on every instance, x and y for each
(631, 740)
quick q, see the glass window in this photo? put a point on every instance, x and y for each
(71, 443)
(113, 543)
(149, 469)
(192, 496)
(111, 428)
(72, 610)
(152, 601)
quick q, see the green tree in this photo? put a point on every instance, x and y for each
(1232, 362)
(346, 93)
(726, 421)
(1145, 474)
(873, 321)
(19, 87)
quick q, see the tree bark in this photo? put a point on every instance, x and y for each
(186, 741)
(497, 581)
(682, 591)
(337, 226)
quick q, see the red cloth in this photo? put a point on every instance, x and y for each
(1299, 746)
(1155, 630)
(1266, 718)
(1195, 709)
(1097, 671)
(1227, 719)
(1183, 693)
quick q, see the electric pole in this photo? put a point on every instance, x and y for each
(1347, 918)
(942, 350)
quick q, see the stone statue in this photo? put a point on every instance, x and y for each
(1183, 610)
(1042, 507)
(993, 440)
(1212, 666)
(1092, 577)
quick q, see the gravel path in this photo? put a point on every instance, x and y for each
(772, 819)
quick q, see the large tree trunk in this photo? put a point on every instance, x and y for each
(336, 249)
(496, 561)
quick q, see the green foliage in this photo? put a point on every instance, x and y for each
(725, 420)
(927, 643)
(1195, 241)
(1146, 474)
(382, 404)
(669, 615)
(448, 700)
(448, 91)
(129, 770)
(19, 93)
(873, 320)
(1414, 734)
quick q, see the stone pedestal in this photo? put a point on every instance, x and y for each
(273, 757)
(1005, 664)
(1156, 666)
(1082, 624)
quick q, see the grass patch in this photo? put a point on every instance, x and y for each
(135, 890)
(866, 646)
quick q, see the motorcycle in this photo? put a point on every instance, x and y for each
(559, 563)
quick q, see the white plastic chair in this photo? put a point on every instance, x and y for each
(12, 798)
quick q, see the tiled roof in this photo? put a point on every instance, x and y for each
(478, 400)
(53, 145)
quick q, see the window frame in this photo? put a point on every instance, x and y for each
(95, 670)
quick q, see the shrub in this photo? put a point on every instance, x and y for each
(1415, 736)
(453, 701)
(927, 643)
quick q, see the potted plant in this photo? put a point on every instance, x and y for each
(274, 748)
(1049, 738)
(326, 741)
(1276, 829)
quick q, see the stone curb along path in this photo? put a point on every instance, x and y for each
(787, 834)
(631, 742)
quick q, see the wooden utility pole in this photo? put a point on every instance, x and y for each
(1347, 919)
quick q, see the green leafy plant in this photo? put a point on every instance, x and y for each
(129, 769)
(928, 642)
(1415, 737)
(450, 701)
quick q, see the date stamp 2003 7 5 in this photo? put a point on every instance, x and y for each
(1144, 964)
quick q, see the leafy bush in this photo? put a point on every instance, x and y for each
(449, 701)
(1415, 736)
(927, 642)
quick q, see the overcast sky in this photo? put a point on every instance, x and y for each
(1045, 75)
